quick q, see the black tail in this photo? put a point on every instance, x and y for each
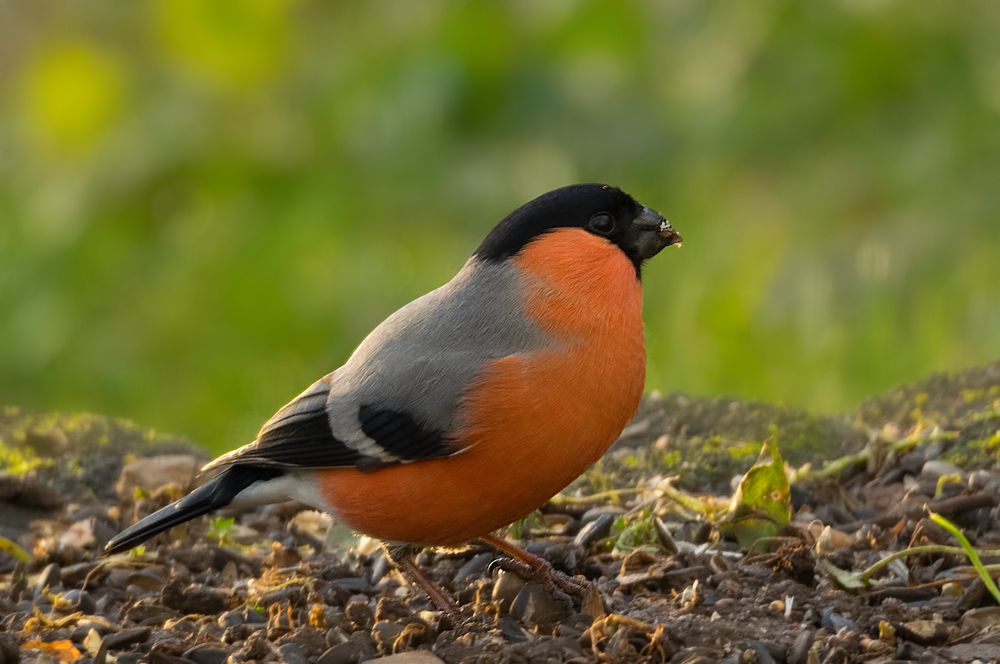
(217, 492)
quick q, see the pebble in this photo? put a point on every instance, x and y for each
(512, 630)
(975, 595)
(664, 536)
(924, 632)
(595, 530)
(506, 588)
(725, 604)
(50, 579)
(385, 633)
(151, 473)
(981, 479)
(29, 492)
(952, 589)
(596, 512)
(360, 614)
(799, 652)
(352, 585)
(126, 637)
(292, 653)
(975, 620)
(936, 468)
(348, 652)
(256, 646)
(836, 622)
(194, 598)
(412, 657)
(475, 567)
(80, 600)
(207, 654)
(534, 605)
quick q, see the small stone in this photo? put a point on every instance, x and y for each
(207, 654)
(412, 657)
(536, 606)
(126, 637)
(596, 512)
(505, 589)
(292, 653)
(665, 537)
(385, 633)
(975, 595)
(152, 473)
(9, 651)
(474, 567)
(347, 652)
(50, 579)
(799, 652)
(595, 530)
(194, 598)
(936, 468)
(79, 536)
(952, 589)
(80, 600)
(980, 480)
(974, 652)
(92, 642)
(836, 622)
(924, 632)
(512, 630)
(388, 608)
(230, 619)
(360, 615)
(725, 604)
(28, 492)
(976, 620)
(256, 646)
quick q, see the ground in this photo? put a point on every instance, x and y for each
(647, 526)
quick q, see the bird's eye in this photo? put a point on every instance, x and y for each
(602, 223)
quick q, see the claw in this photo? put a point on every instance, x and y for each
(529, 566)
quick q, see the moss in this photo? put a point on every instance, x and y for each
(710, 440)
(745, 450)
(21, 460)
(89, 448)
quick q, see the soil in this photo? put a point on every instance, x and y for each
(643, 526)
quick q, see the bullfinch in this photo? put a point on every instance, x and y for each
(472, 405)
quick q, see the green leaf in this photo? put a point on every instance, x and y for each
(15, 550)
(760, 508)
(221, 525)
(970, 552)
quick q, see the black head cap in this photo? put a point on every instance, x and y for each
(605, 211)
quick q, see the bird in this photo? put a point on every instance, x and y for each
(471, 406)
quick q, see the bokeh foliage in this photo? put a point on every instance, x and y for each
(205, 204)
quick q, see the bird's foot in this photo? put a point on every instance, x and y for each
(561, 586)
(535, 568)
(402, 558)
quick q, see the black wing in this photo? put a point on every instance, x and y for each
(299, 436)
(399, 434)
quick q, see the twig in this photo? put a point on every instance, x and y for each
(956, 505)
(560, 499)
(867, 574)
(836, 466)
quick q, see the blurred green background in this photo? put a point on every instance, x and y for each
(206, 204)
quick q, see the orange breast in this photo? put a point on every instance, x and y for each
(533, 422)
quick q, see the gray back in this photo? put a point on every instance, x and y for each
(421, 358)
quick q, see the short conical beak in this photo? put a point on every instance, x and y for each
(651, 233)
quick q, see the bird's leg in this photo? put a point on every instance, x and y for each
(401, 556)
(534, 567)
